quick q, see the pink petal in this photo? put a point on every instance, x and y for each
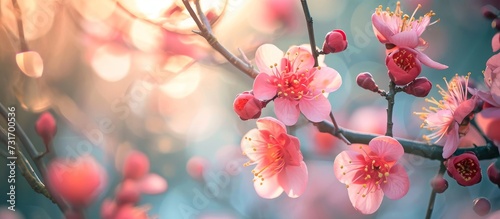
(495, 88)
(397, 184)
(300, 57)
(495, 42)
(262, 88)
(316, 109)
(452, 141)
(486, 97)
(327, 79)
(381, 27)
(269, 188)
(464, 109)
(489, 121)
(30, 63)
(368, 204)
(153, 184)
(294, 179)
(286, 110)
(253, 139)
(267, 55)
(348, 165)
(387, 147)
(294, 156)
(421, 25)
(429, 62)
(272, 125)
(405, 39)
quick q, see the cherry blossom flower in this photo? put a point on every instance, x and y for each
(279, 162)
(77, 181)
(396, 29)
(371, 172)
(294, 83)
(450, 116)
(464, 168)
(403, 65)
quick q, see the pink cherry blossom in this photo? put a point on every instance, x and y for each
(78, 181)
(279, 162)
(464, 168)
(492, 82)
(403, 65)
(450, 116)
(396, 29)
(371, 171)
(294, 83)
(247, 106)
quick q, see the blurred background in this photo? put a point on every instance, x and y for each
(123, 75)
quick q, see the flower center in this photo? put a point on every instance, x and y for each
(273, 158)
(294, 86)
(404, 60)
(376, 172)
(466, 168)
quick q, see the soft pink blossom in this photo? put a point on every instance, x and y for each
(371, 171)
(464, 168)
(492, 82)
(403, 65)
(279, 162)
(295, 84)
(46, 127)
(136, 168)
(77, 181)
(396, 29)
(450, 116)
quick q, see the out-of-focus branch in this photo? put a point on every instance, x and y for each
(210, 38)
(432, 199)
(20, 26)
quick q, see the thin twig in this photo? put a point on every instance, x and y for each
(390, 106)
(338, 132)
(203, 18)
(432, 199)
(310, 30)
(20, 26)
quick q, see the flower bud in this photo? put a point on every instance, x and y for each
(490, 12)
(128, 192)
(403, 66)
(335, 41)
(46, 128)
(493, 174)
(464, 168)
(439, 184)
(136, 165)
(419, 87)
(196, 167)
(481, 206)
(247, 106)
(30, 63)
(365, 80)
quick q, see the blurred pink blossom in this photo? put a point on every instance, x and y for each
(136, 168)
(279, 162)
(371, 172)
(196, 166)
(77, 181)
(46, 127)
(294, 84)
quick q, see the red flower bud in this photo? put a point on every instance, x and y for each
(481, 206)
(247, 106)
(419, 87)
(464, 169)
(439, 184)
(490, 12)
(46, 128)
(128, 192)
(335, 41)
(136, 165)
(365, 80)
(403, 66)
(493, 174)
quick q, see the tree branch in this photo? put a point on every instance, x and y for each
(20, 27)
(390, 106)
(310, 30)
(432, 199)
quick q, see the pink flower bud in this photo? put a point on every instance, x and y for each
(108, 209)
(335, 41)
(136, 165)
(493, 174)
(419, 87)
(247, 106)
(128, 192)
(129, 211)
(403, 65)
(439, 184)
(365, 80)
(481, 206)
(46, 128)
(196, 166)
(464, 168)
